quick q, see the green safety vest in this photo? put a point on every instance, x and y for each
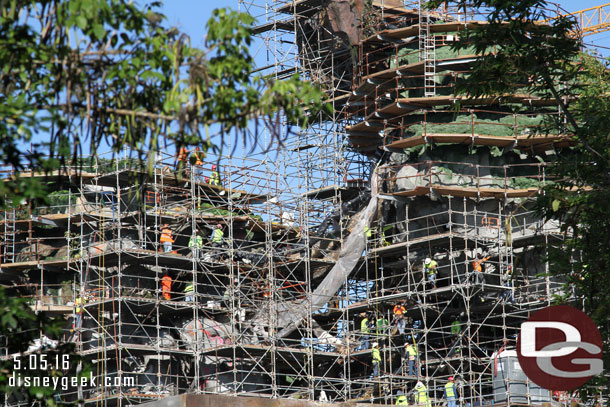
(217, 236)
(382, 323)
(376, 355)
(364, 326)
(189, 288)
(197, 242)
(450, 389)
(401, 400)
(431, 268)
(455, 327)
(422, 395)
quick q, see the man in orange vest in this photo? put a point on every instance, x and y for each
(399, 310)
(166, 287)
(477, 267)
(166, 238)
(197, 161)
(183, 154)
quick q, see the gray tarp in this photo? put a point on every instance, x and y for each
(290, 314)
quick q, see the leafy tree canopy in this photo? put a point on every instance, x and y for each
(87, 74)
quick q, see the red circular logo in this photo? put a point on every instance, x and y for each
(560, 348)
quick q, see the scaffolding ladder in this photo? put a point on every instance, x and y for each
(9, 236)
(427, 52)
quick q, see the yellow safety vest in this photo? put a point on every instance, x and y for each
(189, 288)
(422, 394)
(214, 178)
(431, 268)
(77, 303)
(364, 326)
(376, 355)
(411, 351)
(401, 400)
(196, 242)
(217, 236)
(450, 389)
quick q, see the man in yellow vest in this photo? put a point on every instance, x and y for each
(401, 399)
(421, 398)
(196, 243)
(376, 359)
(451, 393)
(217, 236)
(430, 269)
(364, 331)
(214, 176)
(411, 353)
(189, 290)
(79, 305)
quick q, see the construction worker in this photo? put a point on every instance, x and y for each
(189, 291)
(507, 277)
(364, 331)
(376, 359)
(456, 327)
(450, 393)
(214, 176)
(430, 268)
(477, 269)
(197, 161)
(217, 236)
(79, 306)
(166, 238)
(196, 243)
(183, 154)
(166, 287)
(382, 326)
(411, 353)
(399, 310)
(421, 398)
(401, 399)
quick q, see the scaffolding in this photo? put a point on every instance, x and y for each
(332, 229)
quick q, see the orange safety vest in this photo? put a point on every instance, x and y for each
(183, 154)
(197, 155)
(476, 265)
(166, 287)
(399, 309)
(166, 236)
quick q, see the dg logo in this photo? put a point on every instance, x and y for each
(560, 348)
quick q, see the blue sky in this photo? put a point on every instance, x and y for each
(191, 15)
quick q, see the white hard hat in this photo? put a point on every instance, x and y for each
(419, 384)
(375, 344)
(428, 260)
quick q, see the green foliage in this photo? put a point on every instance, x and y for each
(22, 326)
(580, 200)
(97, 73)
